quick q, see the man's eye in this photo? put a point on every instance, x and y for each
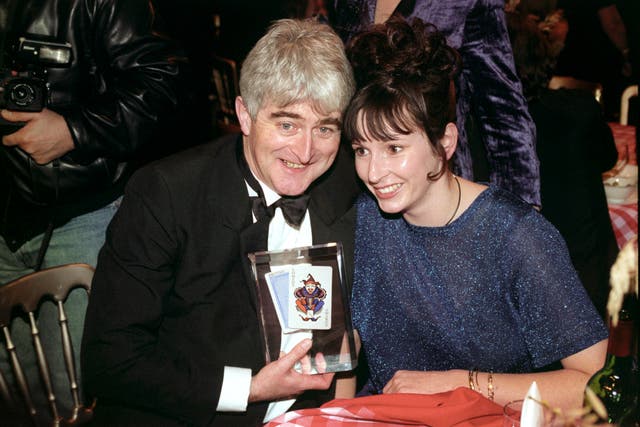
(326, 131)
(395, 149)
(286, 126)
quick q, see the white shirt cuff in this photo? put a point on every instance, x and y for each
(236, 384)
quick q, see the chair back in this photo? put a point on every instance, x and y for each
(567, 82)
(24, 296)
(627, 94)
(225, 86)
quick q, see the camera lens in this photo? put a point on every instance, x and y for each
(22, 94)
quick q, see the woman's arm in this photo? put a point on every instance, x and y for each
(562, 388)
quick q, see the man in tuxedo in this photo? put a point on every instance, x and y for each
(172, 333)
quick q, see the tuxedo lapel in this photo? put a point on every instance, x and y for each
(231, 207)
(253, 239)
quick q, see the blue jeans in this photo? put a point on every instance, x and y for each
(79, 240)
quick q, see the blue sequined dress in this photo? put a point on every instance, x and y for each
(494, 290)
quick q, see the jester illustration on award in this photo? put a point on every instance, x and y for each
(310, 298)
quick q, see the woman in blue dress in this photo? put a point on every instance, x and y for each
(456, 284)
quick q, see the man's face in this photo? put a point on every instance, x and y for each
(288, 148)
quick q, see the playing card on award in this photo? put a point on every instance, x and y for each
(310, 294)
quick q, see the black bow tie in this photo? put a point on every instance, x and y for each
(293, 208)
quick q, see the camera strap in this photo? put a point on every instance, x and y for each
(46, 238)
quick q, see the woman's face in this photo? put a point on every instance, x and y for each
(396, 171)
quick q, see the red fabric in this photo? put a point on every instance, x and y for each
(461, 407)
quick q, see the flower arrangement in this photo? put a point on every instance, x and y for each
(623, 278)
(587, 416)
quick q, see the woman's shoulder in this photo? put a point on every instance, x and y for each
(516, 218)
(503, 201)
(507, 212)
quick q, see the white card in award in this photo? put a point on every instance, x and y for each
(278, 283)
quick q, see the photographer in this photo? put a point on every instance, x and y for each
(111, 79)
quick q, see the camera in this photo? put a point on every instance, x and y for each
(23, 85)
(23, 94)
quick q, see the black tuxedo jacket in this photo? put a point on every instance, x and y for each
(173, 300)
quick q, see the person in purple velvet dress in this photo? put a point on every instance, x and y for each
(496, 132)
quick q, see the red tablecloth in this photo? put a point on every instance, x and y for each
(624, 219)
(461, 408)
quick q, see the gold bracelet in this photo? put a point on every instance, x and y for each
(490, 390)
(472, 385)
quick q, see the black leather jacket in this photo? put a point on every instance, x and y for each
(121, 85)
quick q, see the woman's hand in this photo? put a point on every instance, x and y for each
(426, 382)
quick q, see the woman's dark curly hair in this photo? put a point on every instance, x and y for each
(404, 83)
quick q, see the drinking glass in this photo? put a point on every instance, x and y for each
(512, 411)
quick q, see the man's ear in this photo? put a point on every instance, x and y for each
(450, 139)
(243, 116)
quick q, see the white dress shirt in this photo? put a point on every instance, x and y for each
(236, 382)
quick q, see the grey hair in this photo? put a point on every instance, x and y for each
(296, 61)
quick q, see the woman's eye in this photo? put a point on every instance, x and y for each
(395, 149)
(359, 151)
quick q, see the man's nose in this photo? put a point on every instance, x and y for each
(304, 147)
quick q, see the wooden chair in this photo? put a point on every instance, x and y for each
(627, 94)
(225, 86)
(567, 82)
(25, 295)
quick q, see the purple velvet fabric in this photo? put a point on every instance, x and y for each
(487, 87)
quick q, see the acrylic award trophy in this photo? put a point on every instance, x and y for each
(302, 294)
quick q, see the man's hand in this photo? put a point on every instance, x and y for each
(44, 137)
(278, 380)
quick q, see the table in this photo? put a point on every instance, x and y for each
(624, 217)
(461, 407)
